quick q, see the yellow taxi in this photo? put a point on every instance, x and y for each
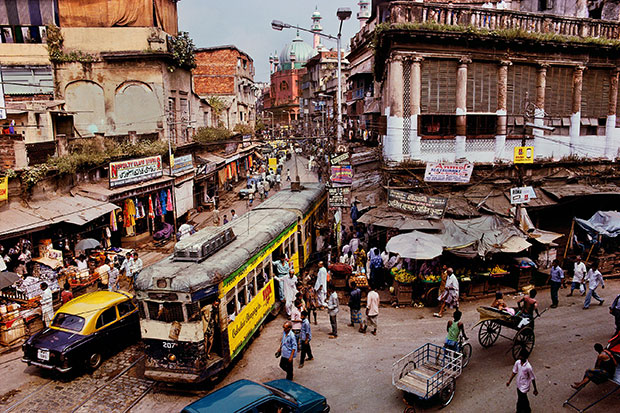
(83, 331)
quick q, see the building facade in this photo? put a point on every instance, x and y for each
(447, 93)
(226, 73)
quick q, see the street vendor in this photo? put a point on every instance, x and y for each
(450, 297)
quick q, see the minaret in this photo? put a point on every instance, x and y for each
(270, 63)
(316, 28)
(276, 61)
(364, 14)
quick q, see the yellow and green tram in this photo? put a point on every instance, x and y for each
(231, 264)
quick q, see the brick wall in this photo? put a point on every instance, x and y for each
(216, 70)
(207, 85)
(12, 152)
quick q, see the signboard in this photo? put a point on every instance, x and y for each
(244, 323)
(205, 168)
(182, 163)
(524, 154)
(2, 104)
(247, 140)
(273, 164)
(4, 188)
(418, 204)
(136, 170)
(340, 159)
(448, 172)
(339, 196)
(342, 174)
(521, 195)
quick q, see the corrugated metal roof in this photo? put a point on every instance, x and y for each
(560, 192)
(385, 216)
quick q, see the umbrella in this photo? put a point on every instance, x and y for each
(417, 245)
(8, 278)
(87, 244)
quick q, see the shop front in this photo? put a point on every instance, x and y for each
(206, 180)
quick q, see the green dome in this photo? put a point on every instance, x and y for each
(302, 51)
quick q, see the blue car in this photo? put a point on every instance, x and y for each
(245, 396)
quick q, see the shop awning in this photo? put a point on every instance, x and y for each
(560, 192)
(515, 244)
(100, 191)
(384, 216)
(17, 219)
(544, 237)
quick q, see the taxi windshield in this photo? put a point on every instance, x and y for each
(68, 322)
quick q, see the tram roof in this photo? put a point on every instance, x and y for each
(254, 230)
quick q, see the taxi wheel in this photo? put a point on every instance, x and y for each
(94, 361)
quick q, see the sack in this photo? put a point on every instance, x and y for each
(582, 288)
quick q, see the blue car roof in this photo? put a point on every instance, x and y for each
(230, 398)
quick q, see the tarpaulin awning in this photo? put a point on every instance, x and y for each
(544, 237)
(515, 244)
(416, 245)
(384, 216)
(560, 192)
(605, 223)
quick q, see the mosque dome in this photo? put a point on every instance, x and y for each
(300, 49)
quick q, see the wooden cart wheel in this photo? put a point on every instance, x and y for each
(431, 297)
(523, 340)
(488, 333)
(447, 393)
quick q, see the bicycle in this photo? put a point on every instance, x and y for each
(465, 349)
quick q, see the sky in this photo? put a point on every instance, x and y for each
(247, 25)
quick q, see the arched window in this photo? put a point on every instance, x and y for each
(283, 85)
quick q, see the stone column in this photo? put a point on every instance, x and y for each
(461, 107)
(539, 111)
(575, 116)
(393, 144)
(416, 94)
(610, 126)
(502, 106)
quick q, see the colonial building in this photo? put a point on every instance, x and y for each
(316, 101)
(459, 81)
(227, 74)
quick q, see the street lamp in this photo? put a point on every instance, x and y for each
(343, 13)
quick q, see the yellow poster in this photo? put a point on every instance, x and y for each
(245, 322)
(273, 163)
(171, 160)
(4, 188)
(524, 154)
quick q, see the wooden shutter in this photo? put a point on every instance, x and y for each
(521, 84)
(482, 87)
(595, 93)
(438, 87)
(559, 91)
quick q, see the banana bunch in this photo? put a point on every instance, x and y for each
(432, 278)
(497, 270)
(404, 276)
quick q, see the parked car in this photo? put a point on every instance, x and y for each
(245, 396)
(83, 331)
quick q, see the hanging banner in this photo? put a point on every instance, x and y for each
(342, 174)
(340, 159)
(136, 170)
(448, 172)
(182, 163)
(339, 196)
(524, 154)
(521, 195)
(418, 204)
(273, 164)
(4, 188)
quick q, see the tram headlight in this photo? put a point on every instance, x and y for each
(172, 357)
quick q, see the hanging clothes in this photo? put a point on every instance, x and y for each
(137, 204)
(169, 206)
(151, 212)
(113, 225)
(157, 206)
(131, 212)
(162, 200)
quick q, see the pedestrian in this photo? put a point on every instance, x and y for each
(376, 265)
(288, 175)
(126, 267)
(233, 215)
(304, 339)
(615, 311)
(450, 297)
(604, 368)
(455, 328)
(113, 277)
(372, 311)
(66, 294)
(556, 278)
(332, 310)
(321, 284)
(355, 305)
(136, 268)
(296, 318)
(312, 301)
(267, 187)
(525, 377)
(528, 308)
(287, 350)
(225, 219)
(261, 190)
(251, 196)
(278, 181)
(579, 272)
(594, 278)
(289, 288)
(47, 304)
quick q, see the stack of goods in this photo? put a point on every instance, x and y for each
(498, 271)
(403, 276)
(463, 274)
(360, 280)
(31, 286)
(12, 326)
(430, 279)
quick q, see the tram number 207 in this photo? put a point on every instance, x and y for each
(169, 345)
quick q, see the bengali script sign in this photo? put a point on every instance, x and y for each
(339, 196)
(448, 172)
(182, 163)
(342, 174)
(135, 170)
(418, 204)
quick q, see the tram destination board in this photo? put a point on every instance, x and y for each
(417, 204)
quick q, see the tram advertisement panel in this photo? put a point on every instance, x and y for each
(249, 317)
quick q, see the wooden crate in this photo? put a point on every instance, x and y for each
(11, 331)
(404, 293)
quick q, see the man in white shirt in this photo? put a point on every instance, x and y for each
(47, 304)
(579, 273)
(372, 311)
(321, 284)
(594, 278)
(135, 270)
(525, 376)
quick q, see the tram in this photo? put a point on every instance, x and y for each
(187, 336)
